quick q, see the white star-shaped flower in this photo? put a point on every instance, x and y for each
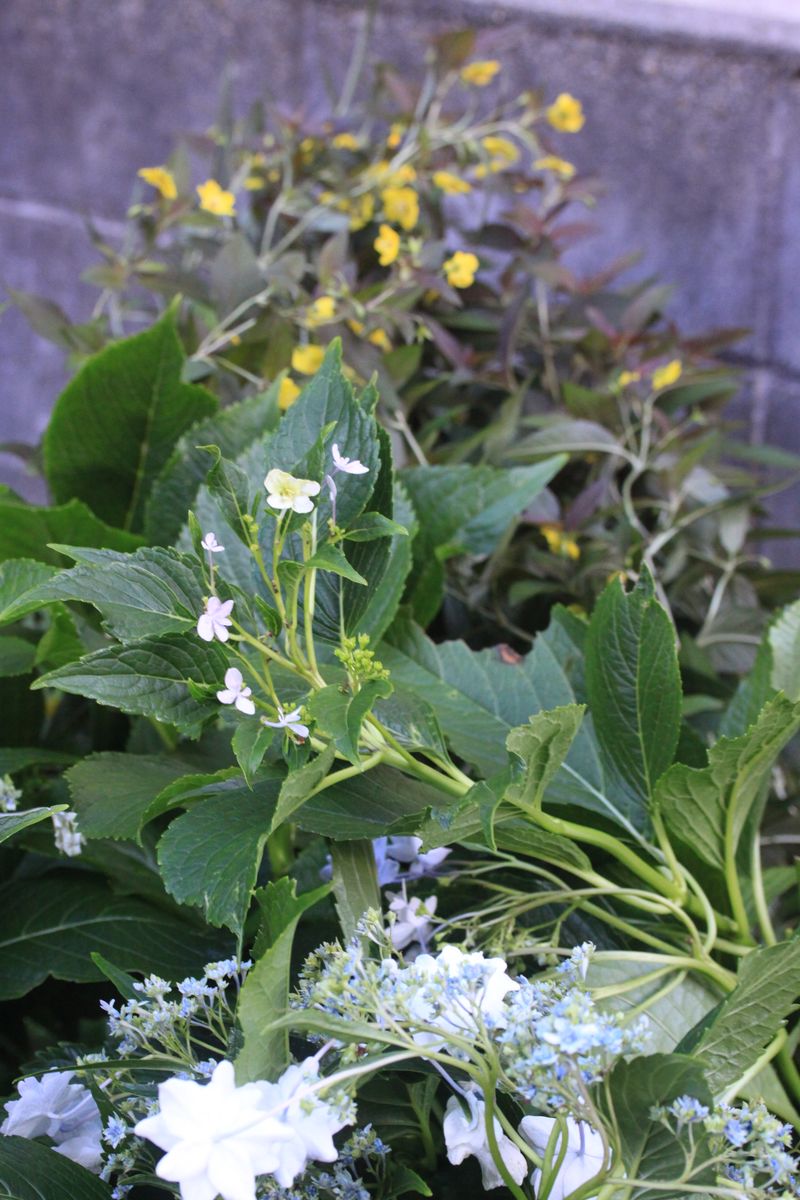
(215, 620)
(311, 1120)
(236, 693)
(465, 1135)
(288, 720)
(413, 921)
(285, 491)
(211, 544)
(350, 466)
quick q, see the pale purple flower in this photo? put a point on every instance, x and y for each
(66, 1112)
(211, 544)
(288, 720)
(236, 693)
(216, 619)
(350, 466)
(413, 919)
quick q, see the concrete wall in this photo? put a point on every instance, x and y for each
(695, 128)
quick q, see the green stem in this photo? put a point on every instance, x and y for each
(777, 1044)
(788, 1071)
(665, 845)
(734, 887)
(759, 899)
(491, 1138)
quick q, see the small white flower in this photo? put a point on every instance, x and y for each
(310, 1121)
(66, 1112)
(405, 850)
(217, 1137)
(583, 1158)
(413, 921)
(66, 835)
(285, 491)
(9, 795)
(236, 693)
(465, 1135)
(216, 619)
(288, 720)
(211, 544)
(350, 466)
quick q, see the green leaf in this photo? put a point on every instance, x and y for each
(210, 856)
(17, 656)
(115, 424)
(340, 714)
(60, 643)
(355, 883)
(145, 594)
(15, 822)
(569, 437)
(17, 758)
(368, 806)
(233, 430)
(18, 576)
(112, 792)
(31, 1171)
(669, 1016)
(542, 744)
(649, 1150)
(464, 509)
(229, 486)
(784, 641)
(27, 531)
(250, 743)
(122, 981)
(766, 993)
(752, 693)
(51, 926)
(299, 785)
(633, 683)
(265, 993)
(149, 678)
(332, 558)
(412, 722)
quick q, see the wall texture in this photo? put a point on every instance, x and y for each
(697, 140)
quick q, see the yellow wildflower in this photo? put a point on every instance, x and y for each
(551, 162)
(254, 183)
(501, 148)
(161, 179)
(566, 113)
(559, 542)
(307, 360)
(626, 378)
(356, 326)
(322, 310)
(460, 269)
(307, 148)
(387, 244)
(404, 174)
(395, 136)
(380, 338)
(362, 211)
(481, 72)
(450, 184)
(287, 393)
(235, 339)
(345, 141)
(215, 199)
(665, 376)
(401, 204)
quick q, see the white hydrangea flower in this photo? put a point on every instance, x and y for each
(66, 835)
(211, 544)
(583, 1158)
(52, 1106)
(413, 919)
(310, 1121)
(236, 693)
(214, 622)
(288, 720)
(286, 491)
(465, 1135)
(217, 1136)
(9, 795)
(350, 466)
(458, 992)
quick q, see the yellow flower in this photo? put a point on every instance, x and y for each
(460, 269)
(254, 183)
(395, 136)
(404, 174)
(551, 162)
(235, 339)
(626, 378)
(401, 204)
(356, 326)
(215, 199)
(345, 141)
(559, 542)
(380, 338)
(501, 148)
(307, 148)
(665, 376)
(161, 179)
(480, 73)
(450, 184)
(287, 393)
(387, 244)
(322, 310)
(566, 113)
(362, 211)
(307, 360)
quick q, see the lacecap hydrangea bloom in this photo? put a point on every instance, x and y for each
(66, 1112)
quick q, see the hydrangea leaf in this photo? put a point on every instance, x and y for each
(341, 714)
(15, 822)
(369, 805)
(17, 577)
(17, 656)
(112, 792)
(115, 424)
(784, 641)
(51, 926)
(32, 1171)
(355, 883)
(28, 531)
(633, 683)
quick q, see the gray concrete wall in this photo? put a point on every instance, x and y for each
(696, 137)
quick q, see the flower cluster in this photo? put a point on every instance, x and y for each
(9, 795)
(66, 835)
